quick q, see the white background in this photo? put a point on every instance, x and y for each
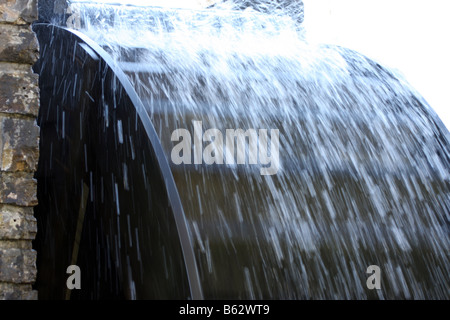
(412, 36)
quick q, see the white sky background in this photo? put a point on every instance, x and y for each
(412, 36)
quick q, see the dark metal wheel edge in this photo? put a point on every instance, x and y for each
(162, 162)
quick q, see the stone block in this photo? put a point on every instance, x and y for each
(18, 188)
(17, 265)
(18, 44)
(17, 223)
(19, 89)
(18, 11)
(19, 144)
(13, 291)
(16, 244)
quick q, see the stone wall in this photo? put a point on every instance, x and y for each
(19, 148)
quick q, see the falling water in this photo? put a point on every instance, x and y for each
(364, 163)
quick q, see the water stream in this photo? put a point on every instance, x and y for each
(363, 168)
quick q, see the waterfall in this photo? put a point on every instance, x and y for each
(363, 168)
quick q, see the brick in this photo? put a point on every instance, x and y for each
(18, 11)
(19, 89)
(17, 223)
(18, 44)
